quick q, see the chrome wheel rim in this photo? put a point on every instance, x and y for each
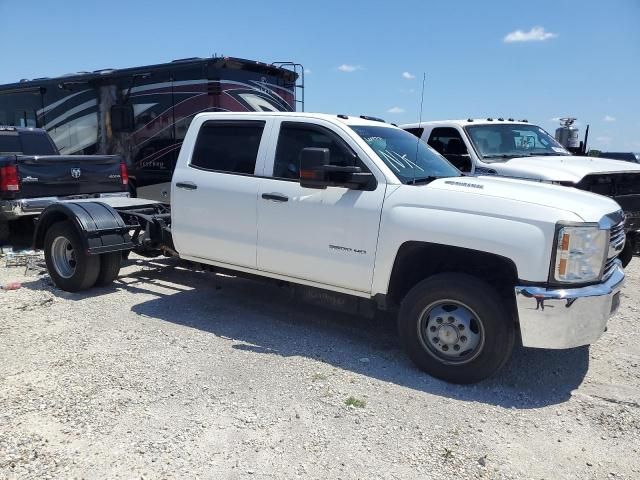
(451, 332)
(63, 257)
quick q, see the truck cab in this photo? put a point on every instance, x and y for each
(357, 210)
(520, 149)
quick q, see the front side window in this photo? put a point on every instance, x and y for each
(228, 146)
(296, 136)
(500, 142)
(447, 140)
(408, 157)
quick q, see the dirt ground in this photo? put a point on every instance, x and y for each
(171, 373)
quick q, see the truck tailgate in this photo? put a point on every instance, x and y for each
(61, 175)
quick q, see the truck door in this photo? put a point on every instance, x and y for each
(214, 192)
(325, 236)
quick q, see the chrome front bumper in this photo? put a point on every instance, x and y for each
(13, 209)
(557, 318)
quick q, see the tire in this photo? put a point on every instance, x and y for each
(4, 231)
(109, 268)
(70, 268)
(627, 252)
(465, 312)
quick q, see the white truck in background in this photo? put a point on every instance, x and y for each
(365, 214)
(520, 149)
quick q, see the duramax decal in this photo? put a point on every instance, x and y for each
(463, 184)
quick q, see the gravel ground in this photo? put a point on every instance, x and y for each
(171, 373)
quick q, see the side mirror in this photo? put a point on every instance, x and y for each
(315, 172)
(312, 163)
(122, 118)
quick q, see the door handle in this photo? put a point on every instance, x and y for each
(186, 185)
(276, 197)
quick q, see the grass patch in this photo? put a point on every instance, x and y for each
(355, 402)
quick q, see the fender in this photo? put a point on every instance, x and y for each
(101, 228)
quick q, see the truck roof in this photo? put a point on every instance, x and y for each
(333, 118)
(468, 121)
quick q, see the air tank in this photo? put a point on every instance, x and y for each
(567, 134)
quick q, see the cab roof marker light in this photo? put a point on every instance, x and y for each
(373, 119)
(469, 119)
(510, 119)
(501, 119)
(489, 119)
(342, 116)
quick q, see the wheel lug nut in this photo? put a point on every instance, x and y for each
(450, 319)
(436, 340)
(463, 338)
(460, 327)
(439, 319)
(432, 328)
(456, 347)
(445, 348)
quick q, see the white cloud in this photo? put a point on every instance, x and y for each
(395, 110)
(609, 118)
(408, 76)
(536, 34)
(345, 67)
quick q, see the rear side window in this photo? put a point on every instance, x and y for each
(415, 131)
(228, 146)
(10, 142)
(36, 144)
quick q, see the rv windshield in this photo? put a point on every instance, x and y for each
(412, 160)
(501, 142)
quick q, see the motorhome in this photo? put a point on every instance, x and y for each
(143, 113)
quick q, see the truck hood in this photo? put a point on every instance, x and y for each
(587, 206)
(561, 168)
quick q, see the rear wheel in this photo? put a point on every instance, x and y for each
(456, 328)
(109, 268)
(69, 266)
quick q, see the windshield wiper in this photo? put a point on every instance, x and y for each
(499, 156)
(547, 154)
(421, 180)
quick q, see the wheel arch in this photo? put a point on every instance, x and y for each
(416, 261)
(100, 227)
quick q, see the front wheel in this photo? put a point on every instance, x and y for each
(456, 328)
(69, 266)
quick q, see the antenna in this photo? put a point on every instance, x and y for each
(424, 77)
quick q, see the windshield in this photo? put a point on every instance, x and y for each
(409, 158)
(500, 142)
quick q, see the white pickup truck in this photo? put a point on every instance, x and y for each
(495, 146)
(360, 212)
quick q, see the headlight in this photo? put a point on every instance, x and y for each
(580, 254)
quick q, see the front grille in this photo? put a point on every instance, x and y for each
(616, 244)
(624, 188)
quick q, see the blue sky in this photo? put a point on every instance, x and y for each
(566, 57)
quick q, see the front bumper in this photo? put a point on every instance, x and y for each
(567, 318)
(13, 209)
